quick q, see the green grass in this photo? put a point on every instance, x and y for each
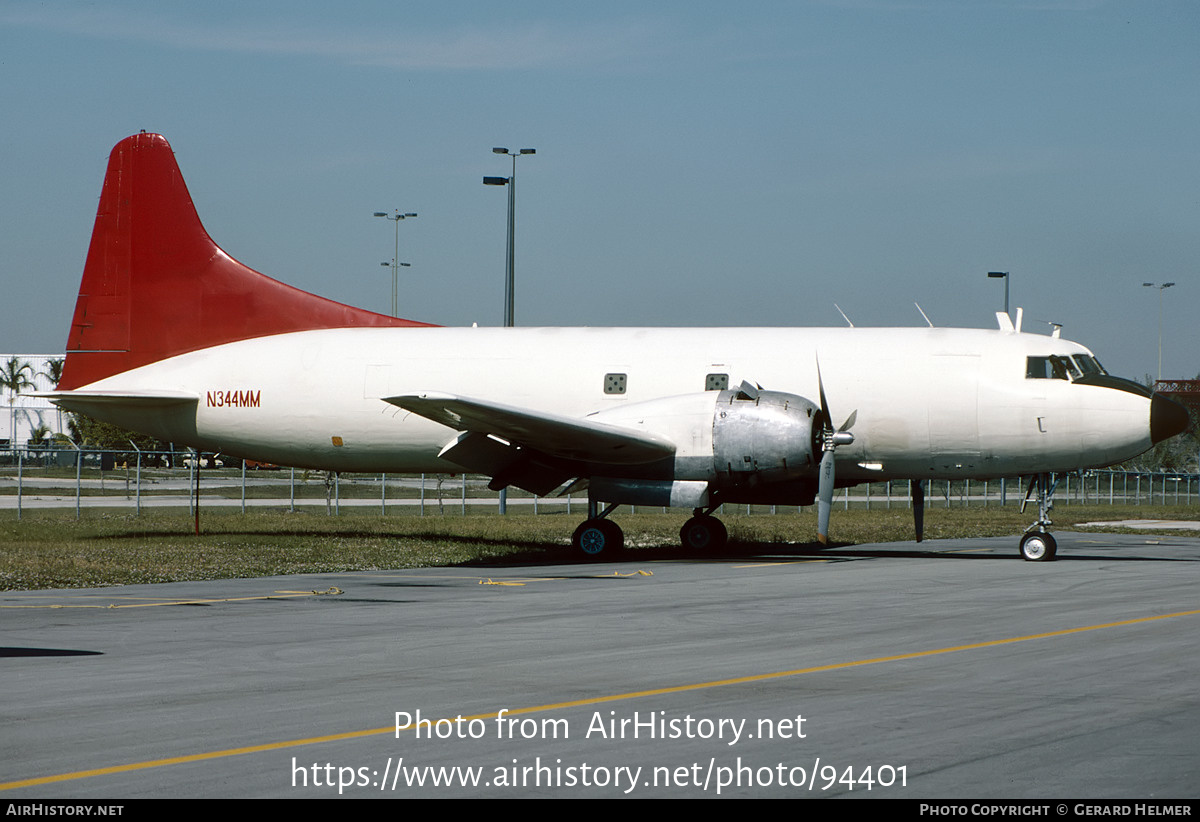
(51, 549)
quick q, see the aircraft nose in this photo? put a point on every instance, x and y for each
(1167, 418)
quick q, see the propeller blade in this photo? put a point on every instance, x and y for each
(824, 496)
(821, 392)
(830, 440)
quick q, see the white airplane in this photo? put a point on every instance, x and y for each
(173, 337)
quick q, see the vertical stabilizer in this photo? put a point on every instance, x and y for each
(155, 284)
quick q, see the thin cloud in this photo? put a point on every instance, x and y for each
(535, 45)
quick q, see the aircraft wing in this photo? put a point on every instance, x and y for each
(553, 435)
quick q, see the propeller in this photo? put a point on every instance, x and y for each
(830, 440)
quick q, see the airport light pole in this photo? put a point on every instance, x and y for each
(396, 217)
(1160, 288)
(997, 275)
(510, 257)
(393, 265)
(510, 266)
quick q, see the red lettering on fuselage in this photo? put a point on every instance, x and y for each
(233, 399)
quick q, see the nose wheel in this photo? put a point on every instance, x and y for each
(1037, 545)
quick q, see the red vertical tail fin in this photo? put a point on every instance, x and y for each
(156, 285)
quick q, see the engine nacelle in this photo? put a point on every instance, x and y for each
(744, 445)
(764, 437)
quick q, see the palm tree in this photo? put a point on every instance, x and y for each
(54, 369)
(15, 375)
(53, 372)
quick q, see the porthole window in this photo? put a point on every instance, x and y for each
(614, 383)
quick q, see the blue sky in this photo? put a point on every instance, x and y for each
(696, 164)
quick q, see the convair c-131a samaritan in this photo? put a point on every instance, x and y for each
(173, 337)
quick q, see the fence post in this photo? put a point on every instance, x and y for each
(78, 478)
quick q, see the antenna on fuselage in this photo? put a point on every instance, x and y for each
(923, 314)
(843, 313)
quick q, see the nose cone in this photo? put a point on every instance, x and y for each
(1167, 418)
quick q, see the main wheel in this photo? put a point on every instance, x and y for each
(598, 537)
(703, 534)
(1038, 546)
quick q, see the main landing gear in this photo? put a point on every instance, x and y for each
(1037, 545)
(598, 537)
(703, 533)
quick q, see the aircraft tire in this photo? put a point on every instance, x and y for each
(703, 534)
(598, 539)
(1038, 546)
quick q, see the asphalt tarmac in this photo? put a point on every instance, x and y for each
(951, 669)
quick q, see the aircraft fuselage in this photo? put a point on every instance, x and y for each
(930, 402)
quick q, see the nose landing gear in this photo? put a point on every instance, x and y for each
(1037, 545)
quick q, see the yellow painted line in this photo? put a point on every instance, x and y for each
(577, 703)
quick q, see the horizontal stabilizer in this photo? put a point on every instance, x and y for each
(552, 434)
(79, 400)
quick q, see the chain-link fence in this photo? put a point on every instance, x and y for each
(55, 478)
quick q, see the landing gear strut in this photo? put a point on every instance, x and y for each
(598, 536)
(1037, 545)
(703, 533)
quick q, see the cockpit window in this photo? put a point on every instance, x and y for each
(1074, 367)
(1072, 370)
(1045, 368)
(1088, 365)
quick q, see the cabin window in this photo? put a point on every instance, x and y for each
(614, 383)
(716, 382)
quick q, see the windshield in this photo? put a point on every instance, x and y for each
(1055, 367)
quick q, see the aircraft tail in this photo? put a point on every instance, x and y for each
(155, 284)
